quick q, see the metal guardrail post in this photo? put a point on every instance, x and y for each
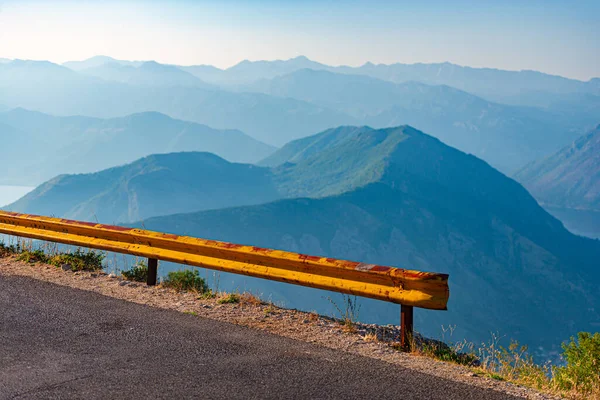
(406, 326)
(152, 271)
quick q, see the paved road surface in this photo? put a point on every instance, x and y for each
(58, 342)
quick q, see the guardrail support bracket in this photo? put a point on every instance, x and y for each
(152, 271)
(406, 326)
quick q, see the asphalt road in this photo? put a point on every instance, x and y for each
(58, 342)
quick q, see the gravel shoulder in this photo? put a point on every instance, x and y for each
(293, 324)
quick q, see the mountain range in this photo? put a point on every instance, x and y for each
(570, 178)
(57, 90)
(505, 136)
(148, 73)
(515, 87)
(299, 103)
(568, 183)
(391, 196)
(98, 61)
(154, 185)
(41, 146)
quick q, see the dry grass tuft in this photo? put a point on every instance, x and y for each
(248, 299)
(370, 337)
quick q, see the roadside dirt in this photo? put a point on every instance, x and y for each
(366, 340)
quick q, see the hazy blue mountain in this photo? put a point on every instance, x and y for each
(250, 71)
(28, 74)
(570, 178)
(98, 61)
(508, 137)
(511, 87)
(308, 101)
(493, 84)
(43, 146)
(247, 72)
(581, 222)
(568, 184)
(57, 90)
(356, 95)
(15, 144)
(147, 74)
(409, 200)
(155, 185)
(207, 73)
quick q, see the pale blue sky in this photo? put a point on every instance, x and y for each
(558, 37)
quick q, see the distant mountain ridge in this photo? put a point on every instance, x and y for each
(495, 84)
(492, 83)
(311, 98)
(58, 145)
(570, 178)
(247, 71)
(508, 137)
(98, 61)
(148, 73)
(57, 90)
(154, 185)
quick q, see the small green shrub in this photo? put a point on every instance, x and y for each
(6, 250)
(513, 363)
(231, 298)
(137, 273)
(582, 372)
(348, 312)
(444, 352)
(496, 377)
(33, 256)
(79, 260)
(186, 280)
(209, 294)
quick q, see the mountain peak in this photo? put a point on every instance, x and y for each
(153, 65)
(568, 178)
(149, 115)
(33, 63)
(101, 58)
(98, 61)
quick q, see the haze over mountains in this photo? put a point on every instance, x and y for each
(279, 101)
(148, 73)
(494, 84)
(568, 182)
(505, 136)
(154, 185)
(569, 178)
(98, 61)
(57, 90)
(40, 146)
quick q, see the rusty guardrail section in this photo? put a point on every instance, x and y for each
(408, 288)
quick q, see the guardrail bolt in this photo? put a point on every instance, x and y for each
(152, 271)
(406, 327)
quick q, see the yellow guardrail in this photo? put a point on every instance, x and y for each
(406, 287)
